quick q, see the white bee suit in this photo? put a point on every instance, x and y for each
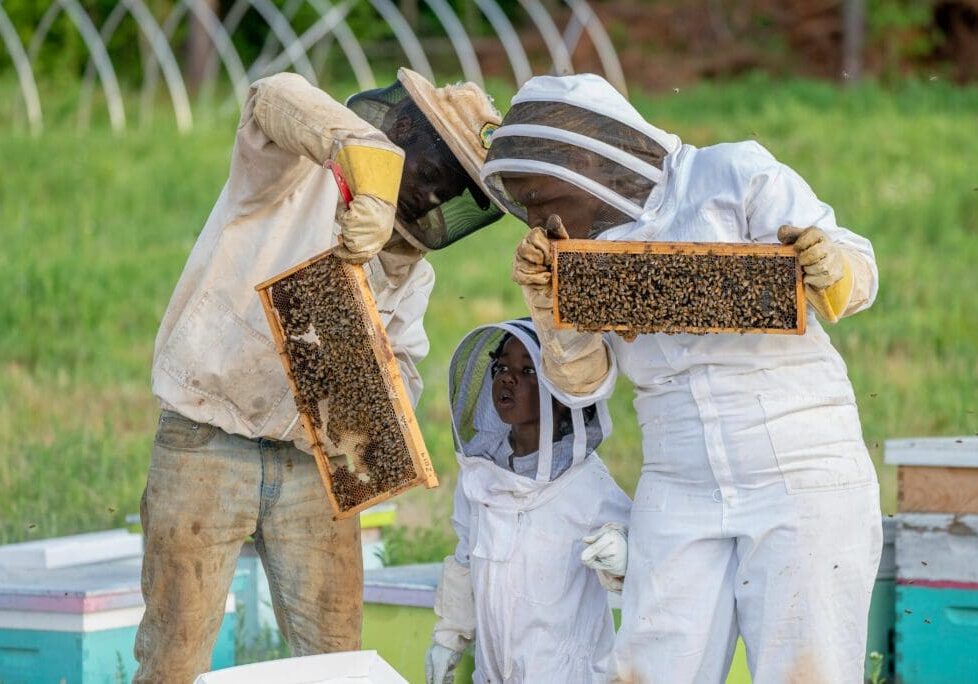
(757, 511)
(540, 615)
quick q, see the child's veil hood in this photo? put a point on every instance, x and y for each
(476, 426)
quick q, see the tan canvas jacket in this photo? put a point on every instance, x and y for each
(214, 360)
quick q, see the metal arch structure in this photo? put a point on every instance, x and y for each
(459, 40)
(330, 20)
(281, 27)
(510, 40)
(585, 17)
(25, 74)
(159, 49)
(283, 48)
(96, 48)
(406, 37)
(219, 39)
(559, 56)
(333, 20)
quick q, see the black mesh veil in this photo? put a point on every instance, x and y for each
(605, 157)
(454, 218)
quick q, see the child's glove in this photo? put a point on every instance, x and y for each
(455, 607)
(439, 664)
(455, 628)
(607, 554)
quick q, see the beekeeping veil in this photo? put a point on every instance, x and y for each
(478, 429)
(464, 118)
(582, 131)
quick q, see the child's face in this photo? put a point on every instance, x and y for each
(514, 385)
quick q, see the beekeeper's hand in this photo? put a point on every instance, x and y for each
(575, 362)
(607, 549)
(365, 227)
(439, 665)
(823, 262)
(827, 272)
(531, 263)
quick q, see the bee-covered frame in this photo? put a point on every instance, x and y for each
(388, 369)
(722, 249)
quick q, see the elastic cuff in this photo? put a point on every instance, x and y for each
(453, 641)
(372, 171)
(610, 582)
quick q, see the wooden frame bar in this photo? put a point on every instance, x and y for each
(566, 246)
(387, 367)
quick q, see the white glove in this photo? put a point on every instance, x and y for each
(365, 227)
(455, 607)
(607, 549)
(440, 664)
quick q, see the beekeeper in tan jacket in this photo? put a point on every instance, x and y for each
(225, 462)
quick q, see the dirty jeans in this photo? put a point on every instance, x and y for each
(206, 492)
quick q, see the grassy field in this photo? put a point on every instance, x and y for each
(95, 229)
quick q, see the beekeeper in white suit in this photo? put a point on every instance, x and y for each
(757, 511)
(229, 458)
(530, 486)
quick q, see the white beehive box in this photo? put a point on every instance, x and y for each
(79, 549)
(352, 667)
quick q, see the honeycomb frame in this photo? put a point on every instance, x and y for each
(561, 248)
(358, 289)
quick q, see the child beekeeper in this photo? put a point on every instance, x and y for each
(757, 512)
(230, 457)
(531, 494)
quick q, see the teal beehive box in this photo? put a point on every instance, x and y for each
(936, 634)
(937, 598)
(70, 607)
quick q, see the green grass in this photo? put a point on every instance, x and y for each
(95, 229)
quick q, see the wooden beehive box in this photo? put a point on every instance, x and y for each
(677, 287)
(346, 383)
(935, 474)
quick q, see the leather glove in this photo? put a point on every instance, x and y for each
(575, 362)
(532, 261)
(365, 227)
(607, 549)
(440, 664)
(827, 272)
(532, 266)
(823, 262)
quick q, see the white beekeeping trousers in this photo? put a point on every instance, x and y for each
(729, 536)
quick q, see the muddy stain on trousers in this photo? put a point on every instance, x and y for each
(206, 492)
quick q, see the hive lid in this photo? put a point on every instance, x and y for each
(351, 667)
(952, 452)
(79, 549)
